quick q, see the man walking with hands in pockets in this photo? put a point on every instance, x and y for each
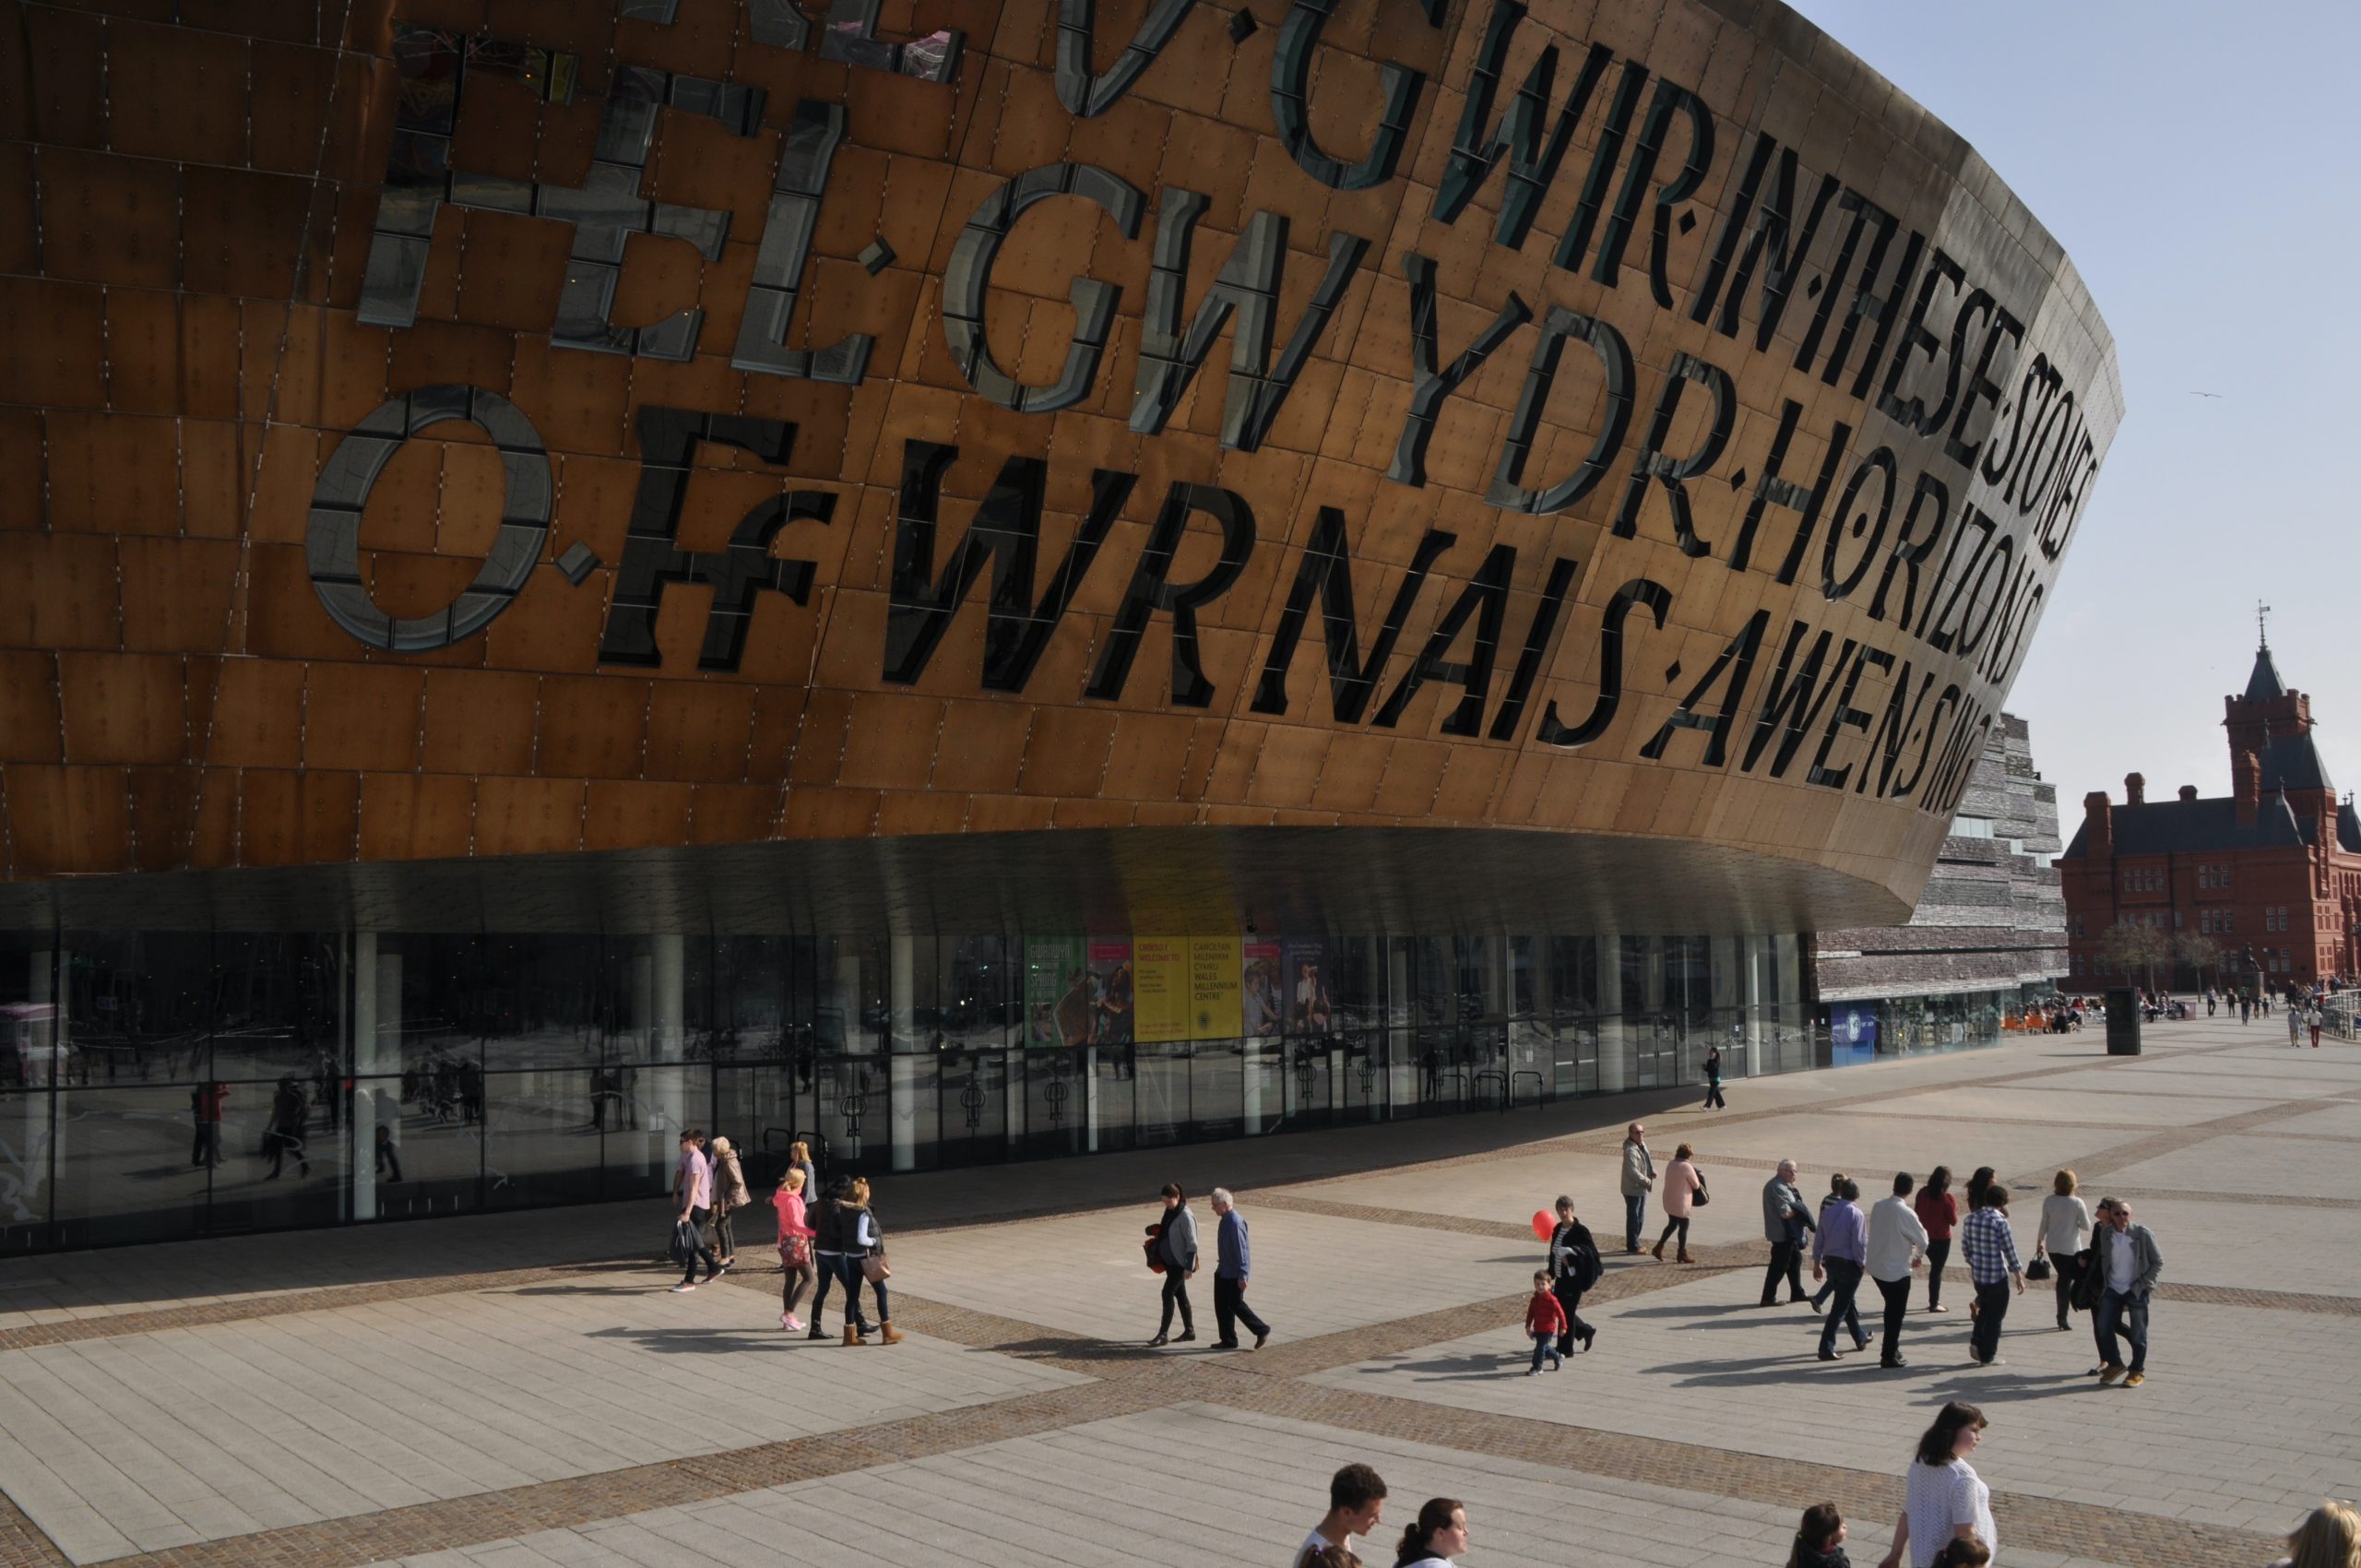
(1639, 1178)
(1234, 1263)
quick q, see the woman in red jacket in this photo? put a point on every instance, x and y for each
(1939, 1212)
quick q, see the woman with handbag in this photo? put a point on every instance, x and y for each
(730, 1195)
(828, 1220)
(794, 1248)
(865, 1260)
(1683, 1190)
(2065, 1231)
(1176, 1250)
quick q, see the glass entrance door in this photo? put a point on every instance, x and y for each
(973, 1108)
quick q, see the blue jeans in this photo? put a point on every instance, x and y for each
(1545, 1345)
(1635, 1207)
(2126, 1315)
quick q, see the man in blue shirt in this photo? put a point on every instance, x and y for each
(1839, 1249)
(1230, 1276)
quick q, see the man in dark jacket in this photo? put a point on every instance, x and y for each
(1575, 1266)
(1785, 1220)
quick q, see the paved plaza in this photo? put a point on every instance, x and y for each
(520, 1390)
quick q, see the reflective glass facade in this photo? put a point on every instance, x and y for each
(162, 1085)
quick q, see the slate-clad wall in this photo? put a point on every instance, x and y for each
(1990, 918)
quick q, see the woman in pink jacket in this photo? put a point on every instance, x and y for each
(1682, 1187)
(794, 1248)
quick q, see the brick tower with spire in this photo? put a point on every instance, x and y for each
(2273, 867)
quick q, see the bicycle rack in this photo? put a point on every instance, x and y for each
(1540, 1088)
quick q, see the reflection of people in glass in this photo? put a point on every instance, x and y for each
(1111, 1021)
(389, 1160)
(1312, 1012)
(1262, 998)
(205, 1102)
(285, 1136)
(323, 1084)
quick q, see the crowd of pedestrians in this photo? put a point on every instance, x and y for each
(2100, 1262)
(1944, 1518)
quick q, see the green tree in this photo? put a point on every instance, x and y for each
(2132, 947)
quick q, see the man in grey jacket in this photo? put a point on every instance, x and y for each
(1785, 1220)
(1639, 1179)
(2128, 1263)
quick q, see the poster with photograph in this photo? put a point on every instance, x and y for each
(1057, 991)
(1265, 998)
(1304, 979)
(1216, 982)
(1159, 989)
(1110, 991)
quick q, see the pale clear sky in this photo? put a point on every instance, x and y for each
(2202, 163)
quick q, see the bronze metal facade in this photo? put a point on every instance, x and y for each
(479, 428)
(574, 567)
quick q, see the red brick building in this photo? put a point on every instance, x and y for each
(2275, 866)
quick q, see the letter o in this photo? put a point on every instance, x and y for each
(332, 542)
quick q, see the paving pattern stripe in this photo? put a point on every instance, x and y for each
(2214, 1195)
(1135, 1382)
(2075, 1529)
(278, 1304)
(1586, 1141)
(584, 1499)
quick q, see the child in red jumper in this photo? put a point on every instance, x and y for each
(1545, 1319)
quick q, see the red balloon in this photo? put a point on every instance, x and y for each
(1542, 1224)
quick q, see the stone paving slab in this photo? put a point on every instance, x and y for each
(2230, 1244)
(2041, 1101)
(1183, 1486)
(2254, 1163)
(227, 1431)
(2236, 1428)
(2332, 1120)
(1378, 1251)
(1085, 1272)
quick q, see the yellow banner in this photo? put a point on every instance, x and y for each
(1217, 987)
(1159, 988)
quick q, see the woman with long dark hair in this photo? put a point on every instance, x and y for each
(1438, 1535)
(1176, 1248)
(1943, 1499)
(1939, 1212)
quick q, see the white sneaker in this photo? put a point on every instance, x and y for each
(679, 1290)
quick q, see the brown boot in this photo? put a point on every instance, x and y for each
(891, 1335)
(1684, 1255)
(1656, 1251)
(852, 1335)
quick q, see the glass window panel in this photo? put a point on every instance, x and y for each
(1058, 1088)
(25, 1144)
(1111, 1109)
(1265, 1105)
(539, 1147)
(657, 1103)
(741, 1012)
(124, 1163)
(440, 1158)
(138, 1006)
(933, 1094)
(278, 1007)
(1160, 1087)
(1217, 1088)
